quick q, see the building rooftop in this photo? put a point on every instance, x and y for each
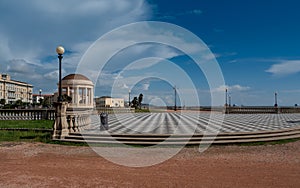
(75, 77)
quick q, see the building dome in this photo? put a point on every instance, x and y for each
(75, 77)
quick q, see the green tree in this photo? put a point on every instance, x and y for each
(18, 103)
(66, 98)
(140, 100)
(46, 102)
(2, 101)
(135, 102)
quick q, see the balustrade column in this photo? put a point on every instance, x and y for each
(77, 96)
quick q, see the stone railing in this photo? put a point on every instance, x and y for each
(261, 110)
(27, 114)
(114, 110)
(69, 120)
(78, 120)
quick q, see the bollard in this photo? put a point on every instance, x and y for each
(104, 121)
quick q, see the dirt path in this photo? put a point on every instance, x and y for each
(44, 165)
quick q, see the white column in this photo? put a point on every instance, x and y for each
(77, 95)
(90, 94)
(92, 97)
(85, 99)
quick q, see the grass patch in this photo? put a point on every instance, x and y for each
(42, 124)
(141, 110)
(24, 136)
(33, 136)
(50, 141)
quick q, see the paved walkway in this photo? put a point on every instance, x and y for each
(192, 122)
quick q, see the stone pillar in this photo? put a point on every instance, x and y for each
(60, 127)
(85, 95)
(77, 96)
(89, 96)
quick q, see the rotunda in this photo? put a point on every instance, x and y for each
(80, 89)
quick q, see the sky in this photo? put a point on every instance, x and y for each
(256, 45)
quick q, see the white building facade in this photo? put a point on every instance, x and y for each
(13, 90)
(109, 102)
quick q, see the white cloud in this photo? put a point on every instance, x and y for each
(232, 88)
(175, 15)
(146, 86)
(285, 67)
(125, 86)
(52, 75)
(291, 91)
(123, 46)
(233, 61)
(32, 29)
(20, 66)
(195, 11)
(239, 88)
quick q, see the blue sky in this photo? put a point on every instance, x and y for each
(256, 44)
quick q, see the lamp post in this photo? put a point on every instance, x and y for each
(175, 93)
(275, 105)
(4, 94)
(40, 91)
(226, 96)
(60, 51)
(129, 98)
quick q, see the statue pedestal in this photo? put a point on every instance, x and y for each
(60, 127)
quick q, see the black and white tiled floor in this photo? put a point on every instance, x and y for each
(192, 122)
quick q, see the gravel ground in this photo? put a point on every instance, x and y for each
(46, 165)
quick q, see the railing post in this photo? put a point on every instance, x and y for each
(60, 127)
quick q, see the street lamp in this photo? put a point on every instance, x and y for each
(275, 105)
(175, 93)
(60, 51)
(40, 95)
(129, 98)
(226, 96)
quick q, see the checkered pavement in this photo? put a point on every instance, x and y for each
(194, 122)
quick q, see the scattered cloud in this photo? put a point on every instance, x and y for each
(126, 49)
(291, 91)
(53, 75)
(172, 15)
(146, 86)
(233, 88)
(285, 67)
(125, 86)
(225, 54)
(30, 31)
(195, 12)
(238, 88)
(19, 66)
(233, 61)
(216, 30)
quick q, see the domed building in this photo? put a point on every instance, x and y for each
(80, 89)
